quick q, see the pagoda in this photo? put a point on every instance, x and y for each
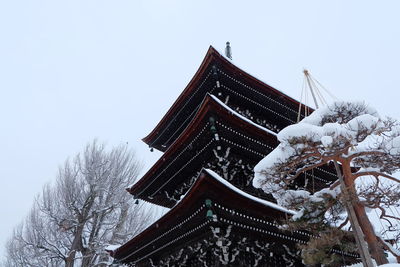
(223, 123)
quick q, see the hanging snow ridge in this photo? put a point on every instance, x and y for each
(240, 116)
(237, 190)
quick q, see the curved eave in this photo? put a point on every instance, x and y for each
(210, 104)
(208, 185)
(212, 56)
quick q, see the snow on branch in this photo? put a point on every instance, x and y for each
(362, 144)
(342, 130)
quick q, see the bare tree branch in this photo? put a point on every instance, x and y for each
(83, 212)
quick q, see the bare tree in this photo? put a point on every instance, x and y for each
(86, 210)
(362, 145)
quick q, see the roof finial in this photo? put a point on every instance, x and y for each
(228, 51)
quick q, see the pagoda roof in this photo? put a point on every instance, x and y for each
(190, 212)
(166, 130)
(159, 174)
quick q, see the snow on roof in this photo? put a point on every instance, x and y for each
(242, 117)
(112, 247)
(246, 195)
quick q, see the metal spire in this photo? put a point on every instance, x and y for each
(228, 51)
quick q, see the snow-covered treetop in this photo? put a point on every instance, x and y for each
(350, 130)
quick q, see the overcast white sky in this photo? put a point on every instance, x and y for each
(72, 71)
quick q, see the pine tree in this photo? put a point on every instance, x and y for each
(363, 145)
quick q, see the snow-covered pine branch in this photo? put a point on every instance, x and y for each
(360, 141)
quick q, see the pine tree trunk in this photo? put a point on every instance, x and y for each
(358, 234)
(376, 250)
(374, 246)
